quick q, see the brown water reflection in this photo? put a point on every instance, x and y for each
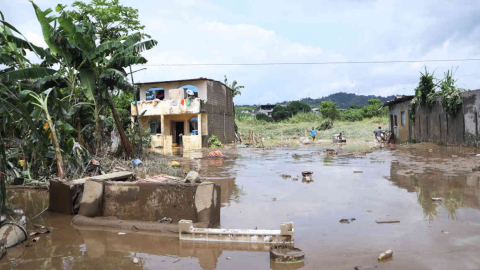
(393, 184)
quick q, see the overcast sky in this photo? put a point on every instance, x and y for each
(260, 31)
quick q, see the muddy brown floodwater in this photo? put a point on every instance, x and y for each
(257, 192)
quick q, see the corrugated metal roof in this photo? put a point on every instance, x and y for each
(398, 99)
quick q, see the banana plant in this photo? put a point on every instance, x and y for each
(41, 101)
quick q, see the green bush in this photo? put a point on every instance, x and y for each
(451, 99)
(214, 142)
(329, 109)
(281, 113)
(326, 124)
(263, 117)
(298, 107)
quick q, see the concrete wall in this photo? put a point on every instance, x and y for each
(435, 125)
(154, 201)
(201, 84)
(219, 107)
(166, 107)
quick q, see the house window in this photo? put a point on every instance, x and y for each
(396, 123)
(193, 125)
(155, 93)
(402, 118)
(191, 87)
(155, 126)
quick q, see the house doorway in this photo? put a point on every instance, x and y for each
(178, 128)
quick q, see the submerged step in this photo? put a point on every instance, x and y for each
(188, 233)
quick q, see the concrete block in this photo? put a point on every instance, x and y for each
(92, 199)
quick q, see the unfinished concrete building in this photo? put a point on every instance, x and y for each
(185, 113)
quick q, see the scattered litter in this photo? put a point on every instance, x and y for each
(353, 219)
(285, 176)
(344, 220)
(445, 232)
(387, 254)
(37, 233)
(165, 219)
(137, 162)
(381, 221)
(430, 150)
(175, 164)
(295, 179)
(36, 239)
(369, 211)
(436, 199)
(241, 146)
(357, 171)
(364, 267)
(135, 260)
(192, 176)
(28, 245)
(477, 155)
(307, 176)
(215, 154)
(96, 163)
(3, 250)
(228, 258)
(37, 226)
(121, 233)
(274, 199)
(286, 254)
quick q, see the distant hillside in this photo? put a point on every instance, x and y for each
(345, 100)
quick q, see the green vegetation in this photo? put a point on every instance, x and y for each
(236, 88)
(296, 125)
(345, 100)
(329, 109)
(451, 99)
(55, 114)
(214, 142)
(262, 117)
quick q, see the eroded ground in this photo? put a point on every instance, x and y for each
(262, 188)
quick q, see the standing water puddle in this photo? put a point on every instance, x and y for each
(263, 188)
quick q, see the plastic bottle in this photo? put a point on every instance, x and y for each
(387, 254)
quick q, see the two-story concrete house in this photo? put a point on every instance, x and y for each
(185, 113)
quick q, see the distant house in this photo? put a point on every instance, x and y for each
(316, 111)
(185, 113)
(266, 109)
(398, 110)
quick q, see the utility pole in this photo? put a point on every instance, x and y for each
(139, 130)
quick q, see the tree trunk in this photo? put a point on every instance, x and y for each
(3, 189)
(99, 127)
(78, 126)
(58, 153)
(125, 143)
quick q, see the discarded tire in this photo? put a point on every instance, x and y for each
(12, 234)
(286, 254)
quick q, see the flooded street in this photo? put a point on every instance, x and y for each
(263, 188)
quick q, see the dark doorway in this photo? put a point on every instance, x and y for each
(177, 130)
(391, 122)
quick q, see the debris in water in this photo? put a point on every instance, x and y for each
(96, 163)
(286, 254)
(387, 254)
(357, 171)
(175, 164)
(121, 233)
(436, 199)
(192, 176)
(445, 232)
(137, 162)
(307, 176)
(36, 239)
(381, 221)
(353, 219)
(364, 267)
(285, 176)
(274, 199)
(28, 245)
(295, 179)
(228, 258)
(215, 154)
(165, 219)
(344, 220)
(135, 260)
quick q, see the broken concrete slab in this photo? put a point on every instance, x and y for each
(91, 205)
(66, 197)
(188, 232)
(382, 221)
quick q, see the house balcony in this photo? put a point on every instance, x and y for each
(168, 107)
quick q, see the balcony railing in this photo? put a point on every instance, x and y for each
(167, 107)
